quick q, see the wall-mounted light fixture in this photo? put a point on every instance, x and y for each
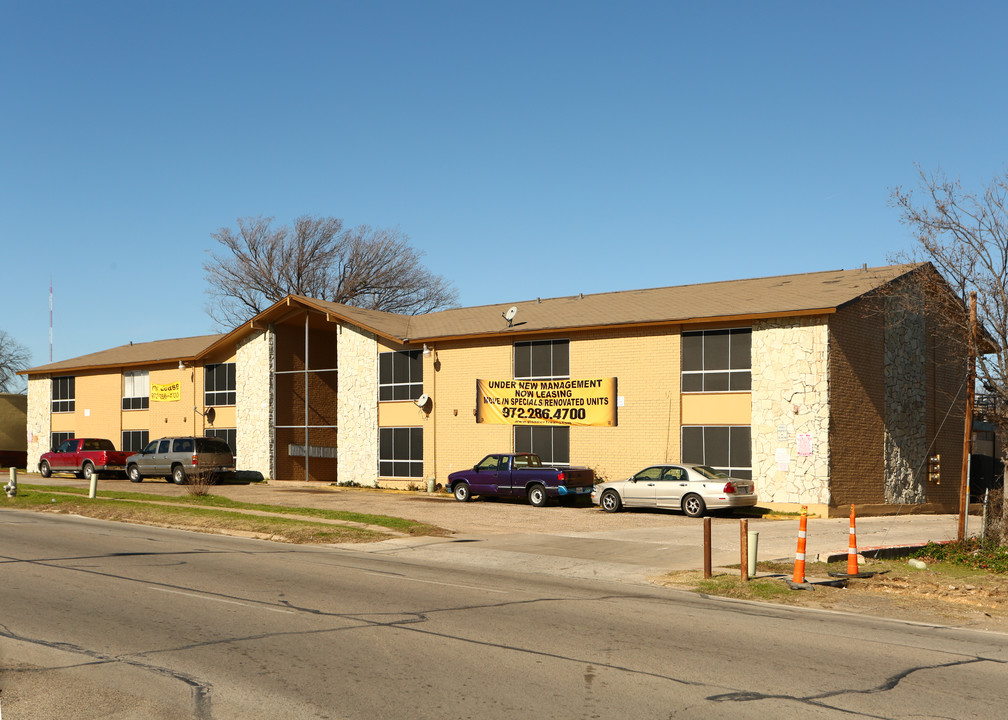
(181, 365)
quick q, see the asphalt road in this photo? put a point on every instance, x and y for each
(101, 620)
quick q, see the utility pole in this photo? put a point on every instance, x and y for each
(968, 435)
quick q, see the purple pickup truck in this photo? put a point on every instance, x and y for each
(520, 475)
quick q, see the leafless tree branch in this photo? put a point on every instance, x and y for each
(320, 258)
(13, 358)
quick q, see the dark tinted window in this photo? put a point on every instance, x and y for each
(550, 443)
(400, 375)
(542, 359)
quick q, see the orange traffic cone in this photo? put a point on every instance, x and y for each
(799, 564)
(852, 568)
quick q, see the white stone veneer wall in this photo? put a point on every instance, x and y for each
(790, 396)
(254, 406)
(39, 427)
(357, 406)
(905, 402)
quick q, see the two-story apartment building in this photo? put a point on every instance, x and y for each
(827, 388)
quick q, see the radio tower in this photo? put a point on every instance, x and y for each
(50, 318)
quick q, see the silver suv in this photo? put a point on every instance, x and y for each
(175, 458)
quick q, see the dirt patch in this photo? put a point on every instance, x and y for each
(940, 595)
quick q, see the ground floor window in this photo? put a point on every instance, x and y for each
(59, 438)
(400, 452)
(228, 435)
(550, 443)
(135, 440)
(723, 447)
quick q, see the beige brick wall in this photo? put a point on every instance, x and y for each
(644, 361)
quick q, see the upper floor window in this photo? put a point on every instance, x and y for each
(64, 390)
(717, 360)
(542, 359)
(219, 384)
(136, 390)
(400, 375)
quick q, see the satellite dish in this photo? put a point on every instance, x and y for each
(422, 400)
(510, 314)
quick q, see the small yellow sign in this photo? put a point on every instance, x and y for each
(172, 392)
(590, 402)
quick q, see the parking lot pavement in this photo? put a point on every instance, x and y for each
(580, 541)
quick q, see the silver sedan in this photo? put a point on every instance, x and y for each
(694, 489)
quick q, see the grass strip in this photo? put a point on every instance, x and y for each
(402, 525)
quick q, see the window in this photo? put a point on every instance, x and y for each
(219, 384)
(542, 360)
(400, 375)
(63, 392)
(723, 447)
(550, 442)
(228, 435)
(58, 438)
(400, 452)
(134, 440)
(717, 360)
(136, 390)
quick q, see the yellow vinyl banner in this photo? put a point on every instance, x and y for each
(590, 402)
(172, 392)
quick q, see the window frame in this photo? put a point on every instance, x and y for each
(130, 446)
(58, 438)
(134, 401)
(212, 395)
(734, 448)
(557, 454)
(559, 367)
(406, 446)
(736, 373)
(64, 394)
(393, 367)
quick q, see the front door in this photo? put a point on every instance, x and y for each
(639, 491)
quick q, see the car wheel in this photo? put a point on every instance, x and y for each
(178, 475)
(537, 496)
(87, 470)
(693, 505)
(44, 469)
(133, 472)
(610, 501)
(461, 492)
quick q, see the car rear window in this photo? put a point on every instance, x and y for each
(212, 445)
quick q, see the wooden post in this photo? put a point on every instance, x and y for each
(706, 548)
(744, 543)
(968, 434)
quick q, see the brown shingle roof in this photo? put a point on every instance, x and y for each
(778, 296)
(138, 354)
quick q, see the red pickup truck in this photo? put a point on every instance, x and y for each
(83, 457)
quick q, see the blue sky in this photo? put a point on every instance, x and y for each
(527, 148)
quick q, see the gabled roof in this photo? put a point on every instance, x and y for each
(779, 296)
(133, 355)
(742, 300)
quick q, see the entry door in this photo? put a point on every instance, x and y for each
(640, 490)
(671, 487)
(486, 480)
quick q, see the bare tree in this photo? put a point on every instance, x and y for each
(14, 357)
(965, 236)
(362, 266)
